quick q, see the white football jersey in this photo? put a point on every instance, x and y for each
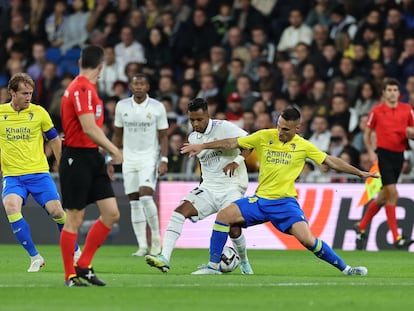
(141, 123)
(214, 160)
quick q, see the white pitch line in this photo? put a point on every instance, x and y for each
(292, 284)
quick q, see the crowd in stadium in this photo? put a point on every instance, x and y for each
(249, 59)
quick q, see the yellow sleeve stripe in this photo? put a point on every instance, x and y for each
(14, 217)
(221, 227)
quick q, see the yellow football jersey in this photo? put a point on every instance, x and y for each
(280, 163)
(21, 140)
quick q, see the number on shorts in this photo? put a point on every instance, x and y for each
(197, 191)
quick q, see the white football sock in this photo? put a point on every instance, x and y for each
(139, 223)
(172, 233)
(151, 215)
(240, 246)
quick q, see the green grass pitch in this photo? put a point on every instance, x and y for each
(283, 280)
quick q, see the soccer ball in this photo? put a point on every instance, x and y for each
(229, 259)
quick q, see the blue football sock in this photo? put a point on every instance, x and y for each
(21, 231)
(324, 252)
(218, 240)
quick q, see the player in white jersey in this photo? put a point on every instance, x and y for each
(224, 179)
(141, 130)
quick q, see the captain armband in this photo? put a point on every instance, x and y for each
(51, 134)
(239, 159)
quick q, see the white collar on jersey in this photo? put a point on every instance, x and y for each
(209, 127)
(144, 103)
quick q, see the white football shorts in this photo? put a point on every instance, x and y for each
(142, 174)
(208, 202)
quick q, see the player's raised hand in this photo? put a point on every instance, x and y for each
(193, 149)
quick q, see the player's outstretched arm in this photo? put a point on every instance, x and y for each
(194, 149)
(342, 166)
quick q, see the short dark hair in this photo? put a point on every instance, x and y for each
(91, 56)
(290, 114)
(197, 104)
(390, 81)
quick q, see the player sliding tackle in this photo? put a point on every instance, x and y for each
(282, 154)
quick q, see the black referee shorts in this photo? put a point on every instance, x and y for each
(390, 164)
(83, 178)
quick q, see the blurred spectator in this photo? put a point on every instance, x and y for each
(280, 104)
(367, 97)
(35, 68)
(320, 13)
(123, 10)
(54, 107)
(362, 62)
(244, 89)
(372, 43)
(295, 33)
(342, 114)
(235, 47)
(75, 32)
(46, 85)
(292, 93)
(131, 69)
(320, 98)
(199, 37)
(342, 22)
(339, 139)
(177, 162)
(179, 9)
(259, 107)
(219, 66)
(157, 52)
(267, 48)
(358, 138)
(129, 50)
(321, 134)
(365, 162)
(152, 13)
(328, 61)
(408, 88)
(234, 112)
(17, 34)
(377, 72)
(255, 58)
(263, 121)
(245, 17)
(407, 7)
(120, 89)
(54, 24)
(348, 74)
(96, 18)
(113, 69)
(249, 119)
(308, 168)
(37, 19)
(208, 87)
(389, 58)
(221, 21)
(166, 88)
(111, 27)
(4, 95)
(136, 21)
(308, 77)
(319, 38)
(236, 68)
(372, 19)
(396, 21)
(267, 78)
(406, 60)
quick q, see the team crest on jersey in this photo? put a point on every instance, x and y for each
(293, 146)
(5, 117)
(149, 115)
(31, 116)
(270, 142)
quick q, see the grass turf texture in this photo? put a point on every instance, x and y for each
(292, 280)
